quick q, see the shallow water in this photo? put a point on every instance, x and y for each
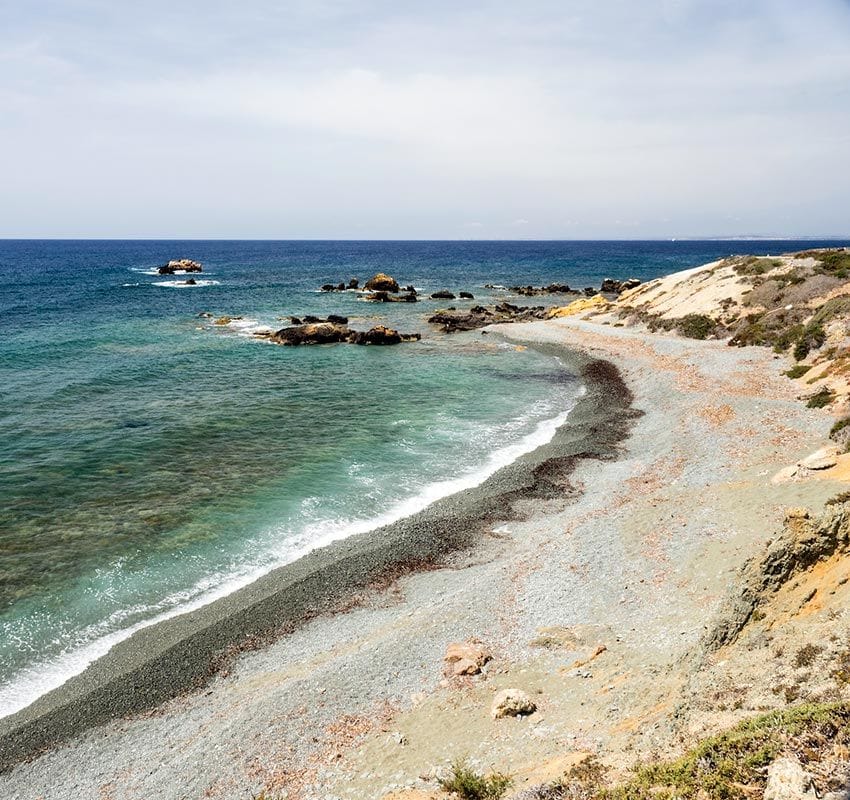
(150, 460)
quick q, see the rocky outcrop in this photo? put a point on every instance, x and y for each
(804, 542)
(386, 297)
(382, 283)
(180, 265)
(787, 780)
(612, 286)
(352, 285)
(330, 332)
(442, 294)
(466, 295)
(532, 291)
(452, 321)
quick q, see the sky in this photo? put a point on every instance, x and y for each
(577, 119)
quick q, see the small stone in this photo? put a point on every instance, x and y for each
(824, 458)
(787, 780)
(512, 703)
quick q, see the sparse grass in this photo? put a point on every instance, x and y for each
(842, 497)
(798, 370)
(806, 655)
(732, 766)
(823, 398)
(469, 785)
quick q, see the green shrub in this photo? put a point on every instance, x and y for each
(823, 398)
(798, 370)
(812, 337)
(840, 425)
(695, 326)
(731, 766)
(469, 785)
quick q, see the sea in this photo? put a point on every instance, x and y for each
(152, 461)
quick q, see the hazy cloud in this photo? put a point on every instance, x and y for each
(666, 118)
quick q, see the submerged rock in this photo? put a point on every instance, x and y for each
(382, 283)
(180, 265)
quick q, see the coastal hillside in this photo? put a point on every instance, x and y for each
(798, 304)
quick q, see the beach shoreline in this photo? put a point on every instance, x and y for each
(182, 654)
(592, 598)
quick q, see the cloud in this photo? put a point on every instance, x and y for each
(335, 117)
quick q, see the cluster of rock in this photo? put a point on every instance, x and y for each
(180, 265)
(609, 286)
(342, 286)
(445, 294)
(330, 332)
(451, 320)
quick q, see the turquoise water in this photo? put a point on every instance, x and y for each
(150, 461)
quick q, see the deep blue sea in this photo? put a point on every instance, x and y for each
(151, 461)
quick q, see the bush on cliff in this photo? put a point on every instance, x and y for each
(469, 785)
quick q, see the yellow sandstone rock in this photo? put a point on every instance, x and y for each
(595, 303)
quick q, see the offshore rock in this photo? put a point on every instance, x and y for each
(334, 333)
(443, 294)
(180, 265)
(382, 283)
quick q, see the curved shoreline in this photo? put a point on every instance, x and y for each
(182, 653)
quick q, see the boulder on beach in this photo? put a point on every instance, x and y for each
(382, 283)
(465, 658)
(180, 265)
(512, 703)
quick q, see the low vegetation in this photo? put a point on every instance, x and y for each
(821, 399)
(731, 766)
(467, 784)
(798, 370)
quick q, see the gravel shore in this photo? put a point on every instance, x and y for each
(623, 532)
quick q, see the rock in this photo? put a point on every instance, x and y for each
(595, 303)
(337, 319)
(311, 320)
(612, 286)
(385, 297)
(190, 282)
(382, 283)
(328, 287)
(785, 474)
(797, 512)
(180, 265)
(353, 283)
(340, 287)
(589, 291)
(296, 320)
(512, 703)
(382, 335)
(824, 458)
(466, 296)
(205, 315)
(465, 667)
(443, 294)
(787, 780)
(313, 333)
(465, 658)
(225, 320)
(410, 289)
